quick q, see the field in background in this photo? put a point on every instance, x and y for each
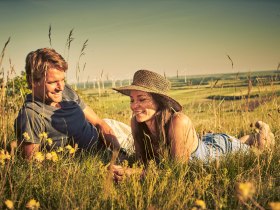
(221, 103)
(227, 103)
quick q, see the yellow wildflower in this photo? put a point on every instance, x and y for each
(33, 204)
(7, 155)
(2, 158)
(245, 190)
(38, 156)
(52, 156)
(60, 149)
(200, 204)
(274, 205)
(9, 204)
(72, 151)
(69, 147)
(26, 136)
(49, 141)
(4, 155)
(43, 135)
(48, 156)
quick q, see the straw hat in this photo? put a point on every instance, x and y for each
(151, 82)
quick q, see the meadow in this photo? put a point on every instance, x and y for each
(68, 179)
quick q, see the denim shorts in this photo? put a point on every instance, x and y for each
(214, 145)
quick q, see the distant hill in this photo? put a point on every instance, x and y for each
(189, 80)
(239, 77)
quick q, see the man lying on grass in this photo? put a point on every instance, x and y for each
(54, 112)
(158, 125)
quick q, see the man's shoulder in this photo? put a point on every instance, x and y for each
(69, 94)
(26, 110)
(30, 106)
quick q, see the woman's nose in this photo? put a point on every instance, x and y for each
(134, 105)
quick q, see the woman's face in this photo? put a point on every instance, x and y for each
(142, 105)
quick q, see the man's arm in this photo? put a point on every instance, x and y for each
(29, 149)
(28, 126)
(105, 130)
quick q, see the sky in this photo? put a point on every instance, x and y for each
(191, 37)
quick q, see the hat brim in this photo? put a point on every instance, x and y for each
(172, 103)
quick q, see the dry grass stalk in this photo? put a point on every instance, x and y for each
(50, 32)
(3, 51)
(249, 91)
(82, 53)
(230, 61)
(108, 182)
(68, 42)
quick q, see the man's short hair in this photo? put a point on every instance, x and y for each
(38, 62)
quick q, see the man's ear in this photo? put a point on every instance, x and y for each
(29, 81)
(34, 84)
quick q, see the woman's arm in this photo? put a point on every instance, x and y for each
(183, 137)
(120, 172)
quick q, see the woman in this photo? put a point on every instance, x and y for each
(159, 127)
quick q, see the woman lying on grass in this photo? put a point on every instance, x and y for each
(158, 125)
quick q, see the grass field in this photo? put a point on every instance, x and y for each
(66, 180)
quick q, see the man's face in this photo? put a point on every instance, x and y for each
(49, 89)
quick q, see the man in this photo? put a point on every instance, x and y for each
(54, 111)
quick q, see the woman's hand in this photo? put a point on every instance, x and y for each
(120, 172)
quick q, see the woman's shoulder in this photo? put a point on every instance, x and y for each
(180, 118)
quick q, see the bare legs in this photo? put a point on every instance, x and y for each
(263, 139)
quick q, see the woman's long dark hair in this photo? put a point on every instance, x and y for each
(146, 140)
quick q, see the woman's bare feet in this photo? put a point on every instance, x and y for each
(264, 138)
